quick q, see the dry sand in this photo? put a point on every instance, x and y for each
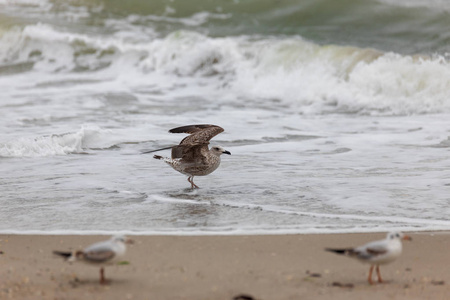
(266, 267)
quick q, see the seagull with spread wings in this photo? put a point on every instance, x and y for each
(192, 156)
(376, 253)
(101, 253)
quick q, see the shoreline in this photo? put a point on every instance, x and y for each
(196, 267)
(213, 233)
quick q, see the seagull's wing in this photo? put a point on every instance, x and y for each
(99, 256)
(364, 252)
(195, 145)
(199, 134)
(376, 252)
(99, 252)
(151, 151)
(372, 249)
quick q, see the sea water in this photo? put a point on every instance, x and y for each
(337, 115)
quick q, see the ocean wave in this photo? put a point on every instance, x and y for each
(435, 4)
(88, 137)
(308, 77)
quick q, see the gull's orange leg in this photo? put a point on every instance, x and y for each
(102, 276)
(370, 274)
(380, 280)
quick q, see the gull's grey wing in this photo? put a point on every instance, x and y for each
(99, 256)
(376, 252)
(99, 252)
(372, 249)
(364, 252)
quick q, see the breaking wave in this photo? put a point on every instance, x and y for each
(311, 78)
(58, 144)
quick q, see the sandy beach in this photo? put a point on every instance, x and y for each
(223, 267)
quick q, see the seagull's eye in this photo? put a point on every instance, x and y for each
(397, 235)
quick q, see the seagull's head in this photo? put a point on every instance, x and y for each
(122, 239)
(398, 236)
(217, 150)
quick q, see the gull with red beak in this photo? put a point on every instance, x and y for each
(376, 253)
(101, 254)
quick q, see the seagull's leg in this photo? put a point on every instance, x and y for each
(191, 181)
(380, 280)
(102, 276)
(370, 274)
(193, 184)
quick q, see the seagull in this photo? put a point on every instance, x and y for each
(376, 253)
(192, 157)
(101, 253)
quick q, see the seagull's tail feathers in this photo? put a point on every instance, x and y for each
(70, 256)
(343, 251)
(64, 254)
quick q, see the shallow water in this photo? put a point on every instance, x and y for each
(335, 124)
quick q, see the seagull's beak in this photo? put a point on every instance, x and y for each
(129, 241)
(226, 152)
(407, 238)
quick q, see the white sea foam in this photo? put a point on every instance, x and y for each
(227, 231)
(435, 4)
(196, 19)
(36, 3)
(42, 146)
(312, 78)
(58, 144)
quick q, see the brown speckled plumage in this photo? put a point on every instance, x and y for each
(192, 156)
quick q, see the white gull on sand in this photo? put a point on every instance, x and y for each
(376, 253)
(102, 253)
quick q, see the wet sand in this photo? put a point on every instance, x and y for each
(265, 267)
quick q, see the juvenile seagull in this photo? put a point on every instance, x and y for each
(192, 157)
(376, 253)
(101, 253)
